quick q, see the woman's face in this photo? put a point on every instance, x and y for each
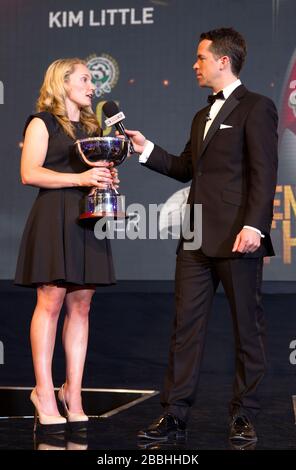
(79, 86)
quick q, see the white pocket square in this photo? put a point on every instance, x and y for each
(225, 126)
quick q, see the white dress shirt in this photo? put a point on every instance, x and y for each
(217, 105)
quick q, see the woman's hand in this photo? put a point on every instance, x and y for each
(115, 180)
(99, 177)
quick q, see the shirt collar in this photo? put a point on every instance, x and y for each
(230, 88)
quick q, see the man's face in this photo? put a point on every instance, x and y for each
(207, 67)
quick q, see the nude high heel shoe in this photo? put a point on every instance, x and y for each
(46, 423)
(76, 421)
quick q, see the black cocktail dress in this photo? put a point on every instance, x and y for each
(56, 247)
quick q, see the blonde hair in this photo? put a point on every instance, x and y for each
(53, 93)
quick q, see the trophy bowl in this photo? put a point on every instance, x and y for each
(102, 202)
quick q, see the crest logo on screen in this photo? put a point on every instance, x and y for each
(104, 71)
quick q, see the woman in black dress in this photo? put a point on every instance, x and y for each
(59, 256)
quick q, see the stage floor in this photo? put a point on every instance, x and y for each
(207, 430)
(129, 337)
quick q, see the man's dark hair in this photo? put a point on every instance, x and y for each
(227, 41)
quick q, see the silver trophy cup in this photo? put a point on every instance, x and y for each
(102, 202)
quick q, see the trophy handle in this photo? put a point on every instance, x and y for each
(81, 153)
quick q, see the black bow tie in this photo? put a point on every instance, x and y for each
(213, 98)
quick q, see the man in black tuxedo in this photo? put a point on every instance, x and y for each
(231, 158)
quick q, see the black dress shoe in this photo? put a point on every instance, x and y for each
(242, 429)
(242, 445)
(162, 445)
(167, 427)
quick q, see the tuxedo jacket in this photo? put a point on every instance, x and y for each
(233, 171)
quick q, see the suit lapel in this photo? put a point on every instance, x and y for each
(201, 128)
(229, 105)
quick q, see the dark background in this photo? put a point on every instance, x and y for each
(148, 54)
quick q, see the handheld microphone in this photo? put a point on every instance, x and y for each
(115, 118)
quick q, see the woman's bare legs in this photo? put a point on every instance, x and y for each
(75, 340)
(50, 299)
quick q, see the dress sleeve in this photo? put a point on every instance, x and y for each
(48, 119)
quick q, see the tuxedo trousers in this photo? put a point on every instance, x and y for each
(197, 278)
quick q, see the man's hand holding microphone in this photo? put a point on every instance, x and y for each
(114, 118)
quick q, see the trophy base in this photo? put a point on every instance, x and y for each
(103, 203)
(100, 214)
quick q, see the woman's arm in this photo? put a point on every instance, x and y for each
(33, 157)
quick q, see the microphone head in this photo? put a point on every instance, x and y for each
(110, 108)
